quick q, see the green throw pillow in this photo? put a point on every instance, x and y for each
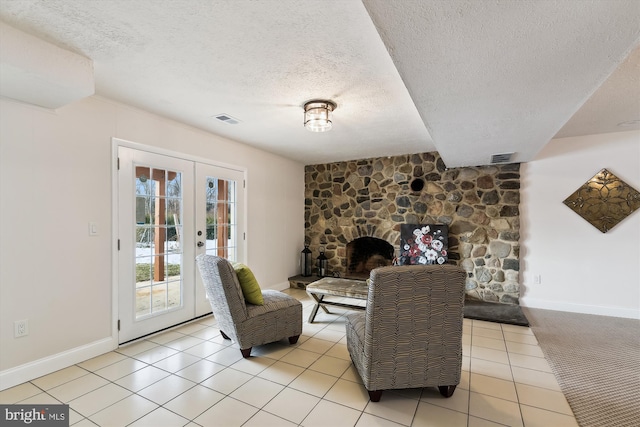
(249, 284)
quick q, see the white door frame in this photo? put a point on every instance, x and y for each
(115, 144)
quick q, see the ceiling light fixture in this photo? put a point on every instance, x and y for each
(318, 114)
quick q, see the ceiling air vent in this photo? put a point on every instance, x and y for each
(501, 158)
(227, 119)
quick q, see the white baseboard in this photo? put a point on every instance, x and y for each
(580, 308)
(279, 286)
(32, 370)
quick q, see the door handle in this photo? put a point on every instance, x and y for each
(200, 244)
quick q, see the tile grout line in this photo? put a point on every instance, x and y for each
(513, 377)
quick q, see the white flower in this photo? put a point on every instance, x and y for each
(437, 245)
(440, 260)
(417, 232)
(431, 254)
(422, 260)
(422, 247)
(406, 247)
(425, 229)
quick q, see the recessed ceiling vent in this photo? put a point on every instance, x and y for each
(501, 158)
(227, 119)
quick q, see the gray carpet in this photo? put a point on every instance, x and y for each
(493, 312)
(596, 360)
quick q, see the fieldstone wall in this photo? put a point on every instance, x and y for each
(373, 197)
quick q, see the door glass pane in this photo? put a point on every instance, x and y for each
(220, 217)
(158, 244)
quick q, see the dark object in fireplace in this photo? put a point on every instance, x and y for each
(366, 253)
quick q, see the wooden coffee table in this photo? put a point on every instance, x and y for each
(338, 287)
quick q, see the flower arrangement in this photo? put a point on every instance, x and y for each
(423, 244)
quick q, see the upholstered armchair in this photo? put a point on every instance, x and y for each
(410, 334)
(279, 316)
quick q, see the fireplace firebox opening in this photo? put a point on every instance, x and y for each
(366, 253)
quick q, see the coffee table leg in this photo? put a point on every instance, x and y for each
(319, 299)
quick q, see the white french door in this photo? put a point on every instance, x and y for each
(169, 210)
(219, 222)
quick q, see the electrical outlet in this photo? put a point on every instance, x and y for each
(537, 279)
(20, 328)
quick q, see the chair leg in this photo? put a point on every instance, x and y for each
(294, 339)
(375, 395)
(224, 335)
(246, 352)
(447, 390)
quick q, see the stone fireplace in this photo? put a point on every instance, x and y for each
(371, 198)
(366, 253)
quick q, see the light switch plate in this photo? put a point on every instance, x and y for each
(93, 229)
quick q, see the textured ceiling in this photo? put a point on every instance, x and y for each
(483, 77)
(510, 74)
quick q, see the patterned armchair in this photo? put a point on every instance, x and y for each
(247, 324)
(410, 334)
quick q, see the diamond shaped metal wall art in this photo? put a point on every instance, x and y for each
(604, 200)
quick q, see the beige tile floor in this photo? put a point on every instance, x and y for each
(190, 376)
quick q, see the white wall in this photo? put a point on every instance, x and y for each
(581, 269)
(55, 177)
